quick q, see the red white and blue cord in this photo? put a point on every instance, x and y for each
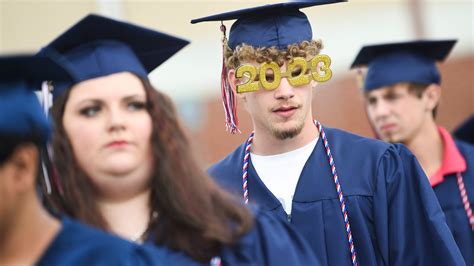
(465, 200)
(342, 201)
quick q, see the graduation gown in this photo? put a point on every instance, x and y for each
(269, 242)
(451, 203)
(394, 214)
(78, 244)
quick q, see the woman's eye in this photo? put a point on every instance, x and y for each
(136, 105)
(90, 111)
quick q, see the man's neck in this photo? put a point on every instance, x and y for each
(265, 143)
(29, 234)
(127, 218)
(427, 146)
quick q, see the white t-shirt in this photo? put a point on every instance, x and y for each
(280, 173)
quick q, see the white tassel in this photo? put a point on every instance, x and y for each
(46, 97)
(47, 103)
(46, 177)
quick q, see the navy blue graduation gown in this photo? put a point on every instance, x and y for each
(450, 201)
(394, 214)
(78, 244)
(269, 242)
(167, 256)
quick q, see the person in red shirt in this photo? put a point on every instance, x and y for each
(465, 131)
(402, 91)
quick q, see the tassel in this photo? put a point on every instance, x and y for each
(229, 101)
(56, 180)
(360, 79)
(46, 162)
(46, 105)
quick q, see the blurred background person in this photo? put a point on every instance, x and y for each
(402, 90)
(29, 234)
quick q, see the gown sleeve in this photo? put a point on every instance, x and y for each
(411, 228)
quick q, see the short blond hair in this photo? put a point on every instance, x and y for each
(245, 52)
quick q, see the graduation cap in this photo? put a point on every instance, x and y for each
(276, 25)
(413, 62)
(20, 110)
(98, 46)
(465, 131)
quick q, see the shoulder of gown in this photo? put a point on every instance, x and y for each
(78, 244)
(269, 242)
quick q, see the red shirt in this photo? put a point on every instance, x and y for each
(453, 161)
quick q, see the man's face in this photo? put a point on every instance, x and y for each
(17, 178)
(282, 112)
(6, 194)
(396, 114)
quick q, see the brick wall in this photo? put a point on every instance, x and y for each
(339, 104)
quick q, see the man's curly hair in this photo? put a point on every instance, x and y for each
(245, 52)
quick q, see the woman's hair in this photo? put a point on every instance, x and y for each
(245, 52)
(194, 214)
(73, 194)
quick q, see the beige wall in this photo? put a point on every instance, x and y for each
(27, 25)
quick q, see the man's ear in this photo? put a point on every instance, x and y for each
(24, 163)
(233, 84)
(433, 95)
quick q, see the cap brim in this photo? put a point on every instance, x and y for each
(266, 9)
(437, 50)
(150, 46)
(30, 67)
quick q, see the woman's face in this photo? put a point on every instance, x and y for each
(109, 128)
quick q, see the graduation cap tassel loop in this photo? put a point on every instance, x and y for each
(229, 101)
